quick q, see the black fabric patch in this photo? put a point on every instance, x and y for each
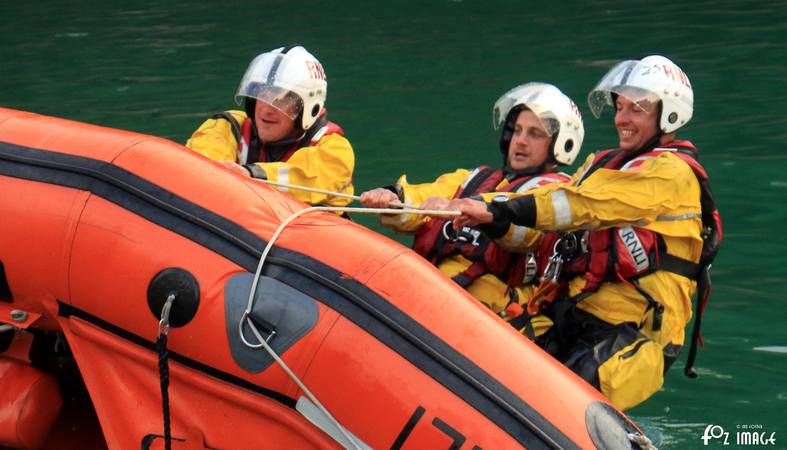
(5, 289)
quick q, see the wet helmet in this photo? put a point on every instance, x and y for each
(653, 78)
(559, 115)
(291, 80)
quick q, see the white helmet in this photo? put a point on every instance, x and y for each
(559, 115)
(653, 78)
(289, 79)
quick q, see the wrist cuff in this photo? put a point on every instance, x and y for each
(256, 171)
(396, 189)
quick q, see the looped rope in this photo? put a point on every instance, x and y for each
(263, 342)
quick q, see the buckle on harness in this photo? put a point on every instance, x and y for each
(465, 235)
(553, 268)
(564, 245)
(567, 247)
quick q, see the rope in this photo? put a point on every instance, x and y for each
(307, 188)
(263, 342)
(163, 367)
(395, 204)
(161, 345)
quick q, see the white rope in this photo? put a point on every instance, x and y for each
(307, 188)
(395, 203)
(250, 304)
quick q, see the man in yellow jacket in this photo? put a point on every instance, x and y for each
(637, 218)
(283, 135)
(541, 128)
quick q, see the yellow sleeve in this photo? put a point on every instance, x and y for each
(214, 138)
(444, 186)
(327, 165)
(662, 194)
(520, 238)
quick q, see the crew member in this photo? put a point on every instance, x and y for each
(284, 134)
(541, 129)
(640, 230)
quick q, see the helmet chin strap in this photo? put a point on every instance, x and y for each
(532, 170)
(516, 173)
(647, 146)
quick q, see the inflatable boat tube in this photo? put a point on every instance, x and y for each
(100, 226)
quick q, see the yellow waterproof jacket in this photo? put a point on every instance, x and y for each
(488, 288)
(326, 163)
(659, 193)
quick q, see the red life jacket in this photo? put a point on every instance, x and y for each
(436, 239)
(627, 253)
(243, 135)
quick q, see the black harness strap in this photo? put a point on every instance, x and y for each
(477, 180)
(679, 266)
(235, 126)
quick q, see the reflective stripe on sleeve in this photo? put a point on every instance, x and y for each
(679, 217)
(469, 177)
(283, 176)
(517, 236)
(561, 207)
(403, 218)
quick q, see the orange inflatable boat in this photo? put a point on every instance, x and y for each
(101, 228)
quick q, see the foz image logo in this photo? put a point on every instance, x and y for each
(752, 435)
(715, 432)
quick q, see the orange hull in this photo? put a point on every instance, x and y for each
(399, 355)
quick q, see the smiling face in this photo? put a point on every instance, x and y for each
(529, 146)
(272, 124)
(636, 123)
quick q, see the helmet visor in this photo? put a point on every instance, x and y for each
(282, 99)
(625, 79)
(533, 96)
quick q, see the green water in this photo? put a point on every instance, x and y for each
(413, 87)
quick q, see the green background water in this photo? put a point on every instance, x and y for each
(413, 86)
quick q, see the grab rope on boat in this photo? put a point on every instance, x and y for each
(262, 342)
(163, 365)
(308, 189)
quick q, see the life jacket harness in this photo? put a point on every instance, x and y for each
(251, 150)
(436, 240)
(628, 253)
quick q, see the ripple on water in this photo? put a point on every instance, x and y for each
(778, 183)
(711, 373)
(771, 349)
(71, 35)
(666, 432)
